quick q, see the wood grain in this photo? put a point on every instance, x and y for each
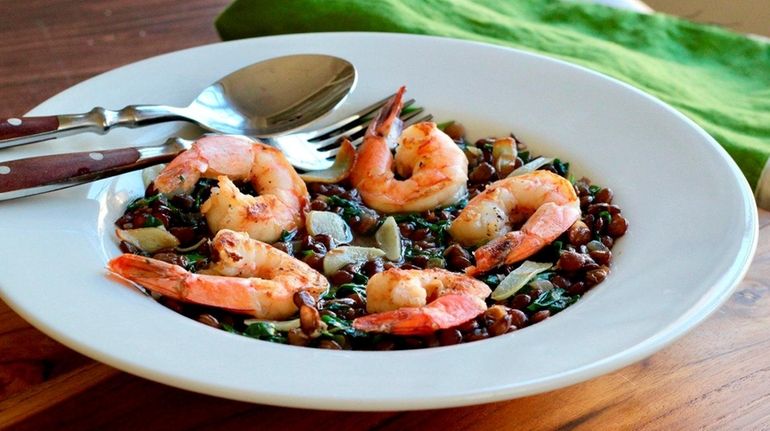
(50, 45)
(26, 126)
(715, 378)
(42, 170)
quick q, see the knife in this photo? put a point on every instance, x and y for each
(35, 175)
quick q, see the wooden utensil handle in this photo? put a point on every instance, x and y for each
(38, 171)
(26, 126)
(28, 130)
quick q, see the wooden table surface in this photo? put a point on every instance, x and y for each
(716, 377)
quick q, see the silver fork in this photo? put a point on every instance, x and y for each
(310, 150)
(316, 150)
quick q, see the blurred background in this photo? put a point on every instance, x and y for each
(86, 37)
(745, 16)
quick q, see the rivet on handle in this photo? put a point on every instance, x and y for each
(14, 121)
(4, 170)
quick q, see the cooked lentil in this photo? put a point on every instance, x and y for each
(582, 258)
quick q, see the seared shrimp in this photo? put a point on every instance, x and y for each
(420, 302)
(435, 168)
(250, 277)
(263, 217)
(282, 199)
(545, 200)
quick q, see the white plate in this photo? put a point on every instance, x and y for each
(692, 216)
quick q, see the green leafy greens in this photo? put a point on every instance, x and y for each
(553, 300)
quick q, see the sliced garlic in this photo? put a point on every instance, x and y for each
(339, 171)
(532, 166)
(504, 155)
(328, 223)
(518, 278)
(149, 239)
(388, 237)
(338, 257)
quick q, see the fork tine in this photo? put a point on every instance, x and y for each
(331, 154)
(338, 126)
(419, 120)
(345, 121)
(351, 127)
(355, 132)
(407, 122)
(409, 115)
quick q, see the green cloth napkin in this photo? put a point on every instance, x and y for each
(720, 79)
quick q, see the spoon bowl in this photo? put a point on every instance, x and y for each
(290, 93)
(264, 99)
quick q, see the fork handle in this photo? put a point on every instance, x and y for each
(34, 175)
(27, 130)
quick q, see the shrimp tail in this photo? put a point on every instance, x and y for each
(445, 312)
(514, 245)
(155, 275)
(170, 280)
(544, 226)
(387, 124)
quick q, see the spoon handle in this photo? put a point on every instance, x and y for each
(27, 130)
(35, 175)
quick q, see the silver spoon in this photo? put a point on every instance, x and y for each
(265, 99)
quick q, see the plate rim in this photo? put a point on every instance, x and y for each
(714, 296)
